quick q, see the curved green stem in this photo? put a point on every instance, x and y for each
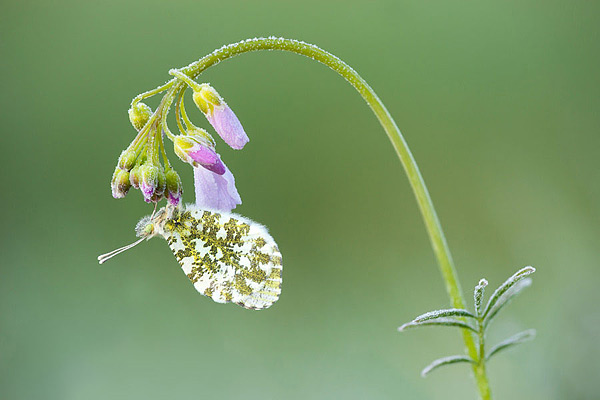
(151, 93)
(178, 104)
(432, 223)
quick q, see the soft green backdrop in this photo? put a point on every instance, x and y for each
(498, 100)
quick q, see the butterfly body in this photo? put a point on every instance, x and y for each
(228, 258)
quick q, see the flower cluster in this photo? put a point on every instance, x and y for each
(140, 165)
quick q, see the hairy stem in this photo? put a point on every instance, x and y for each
(432, 223)
(479, 367)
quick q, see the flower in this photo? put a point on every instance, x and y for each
(195, 149)
(120, 183)
(127, 160)
(149, 182)
(174, 187)
(216, 192)
(220, 116)
(139, 114)
(140, 165)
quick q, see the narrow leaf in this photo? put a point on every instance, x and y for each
(520, 337)
(478, 295)
(445, 361)
(506, 299)
(510, 282)
(453, 312)
(437, 322)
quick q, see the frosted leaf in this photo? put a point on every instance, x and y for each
(510, 282)
(440, 362)
(518, 338)
(437, 322)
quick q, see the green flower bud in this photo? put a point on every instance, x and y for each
(161, 184)
(134, 177)
(127, 160)
(174, 187)
(139, 114)
(120, 183)
(148, 181)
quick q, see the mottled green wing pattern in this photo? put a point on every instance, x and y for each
(227, 257)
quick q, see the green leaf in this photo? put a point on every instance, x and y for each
(510, 282)
(506, 299)
(445, 361)
(437, 322)
(478, 295)
(452, 312)
(520, 337)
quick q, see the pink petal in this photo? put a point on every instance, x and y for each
(228, 126)
(147, 191)
(174, 198)
(215, 192)
(208, 159)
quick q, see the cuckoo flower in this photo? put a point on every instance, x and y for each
(216, 192)
(144, 165)
(120, 183)
(220, 116)
(145, 162)
(174, 187)
(139, 114)
(196, 149)
(152, 182)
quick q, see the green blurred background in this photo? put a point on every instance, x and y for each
(498, 100)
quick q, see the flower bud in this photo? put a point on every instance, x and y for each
(120, 183)
(161, 183)
(127, 160)
(148, 181)
(134, 177)
(139, 114)
(220, 116)
(196, 150)
(207, 98)
(174, 187)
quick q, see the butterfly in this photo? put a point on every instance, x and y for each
(226, 256)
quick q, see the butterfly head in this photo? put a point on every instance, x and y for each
(152, 225)
(145, 229)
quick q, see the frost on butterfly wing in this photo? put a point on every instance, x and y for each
(226, 256)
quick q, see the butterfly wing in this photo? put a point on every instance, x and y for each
(227, 257)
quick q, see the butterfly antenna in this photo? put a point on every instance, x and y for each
(105, 257)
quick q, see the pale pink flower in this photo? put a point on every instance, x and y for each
(214, 191)
(228, 126)
(220, 116)
(196, 151)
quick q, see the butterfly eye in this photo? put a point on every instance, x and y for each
(149, 229)
(145, 227)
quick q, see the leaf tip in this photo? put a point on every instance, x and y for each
(528, 270)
